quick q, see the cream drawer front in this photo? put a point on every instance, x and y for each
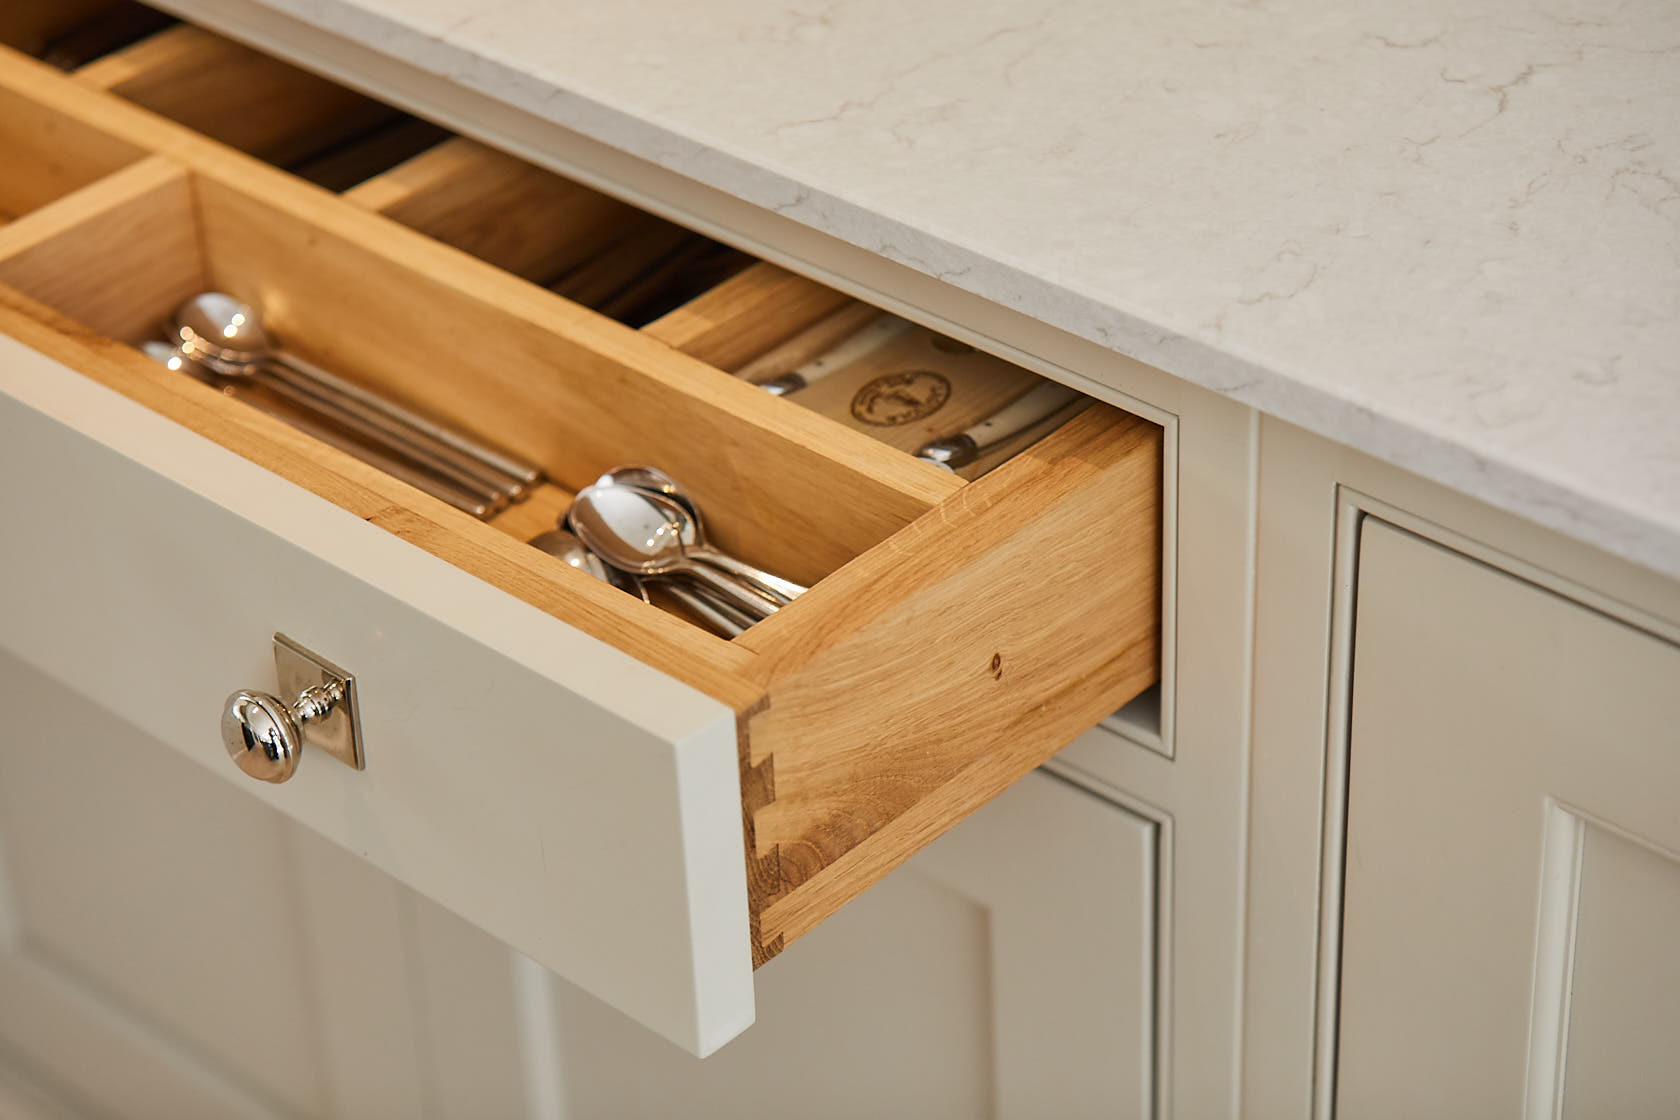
(566, 798)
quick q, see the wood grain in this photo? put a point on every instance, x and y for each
(45, 154)
(810, 343)
(554, 382)
(746, 315)
(29, 25)
(561, 385)
(524, 219)
(537, 512)
(117, 255)
(684, 652)
(233, 94)
(638, 250)
(367, 154)
(929, 673)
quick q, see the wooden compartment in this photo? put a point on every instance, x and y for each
(234, 94)
(577, 242)
(44, 154)
(70, 33)
(557, 384)
(908, 386)
(942, 652)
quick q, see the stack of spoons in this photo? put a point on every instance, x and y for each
(222, 342)
(636, 526)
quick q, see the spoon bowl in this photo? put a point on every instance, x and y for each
(565, 547)
(681, 506)
(636, 531)
(224, 333)
(656, 481)
(692, 535)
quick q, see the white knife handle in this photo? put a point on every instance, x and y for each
(1032, 407)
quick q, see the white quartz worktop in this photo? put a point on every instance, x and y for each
(1446, 232)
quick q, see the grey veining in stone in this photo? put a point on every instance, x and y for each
(1443, 232)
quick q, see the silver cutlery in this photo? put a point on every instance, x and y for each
(635, 530)
(864, 342)
(566, 547)
(724, 619)
(692, 528)
(306, 417)
(653, 480)
(229, 337)
(1030, 409)
(779, 591)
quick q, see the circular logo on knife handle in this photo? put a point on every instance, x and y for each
(900, 398)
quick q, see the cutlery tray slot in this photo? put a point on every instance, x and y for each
(906, 386)
(551, 382)
(72, 33)
(233, 94)
(577, 242)
(45, 154)
(500, 209)
(749, 318)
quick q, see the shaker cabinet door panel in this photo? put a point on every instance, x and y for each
(1008, 971)
(1512, 889)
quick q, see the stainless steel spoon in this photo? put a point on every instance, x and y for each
(722, 618)
(654, 481)
(565, 546)
(633, 530)
(780, 591)
(304, 419)
(230, 338)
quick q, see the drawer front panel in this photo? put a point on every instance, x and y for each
(568, 799)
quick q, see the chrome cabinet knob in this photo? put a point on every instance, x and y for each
(264, 735)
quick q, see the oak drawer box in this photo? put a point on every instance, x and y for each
(564, 765)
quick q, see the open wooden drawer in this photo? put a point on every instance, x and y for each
(573, 770)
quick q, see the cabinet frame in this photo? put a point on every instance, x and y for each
(1315, 494)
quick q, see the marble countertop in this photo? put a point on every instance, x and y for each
(1444, 233)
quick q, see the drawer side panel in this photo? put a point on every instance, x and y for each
(949, 661)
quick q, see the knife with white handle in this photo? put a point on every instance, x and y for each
(1032, 407)
(860, 345)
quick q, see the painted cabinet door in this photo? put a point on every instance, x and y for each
(1512, 892)
(171, 947)
(1007, 971)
